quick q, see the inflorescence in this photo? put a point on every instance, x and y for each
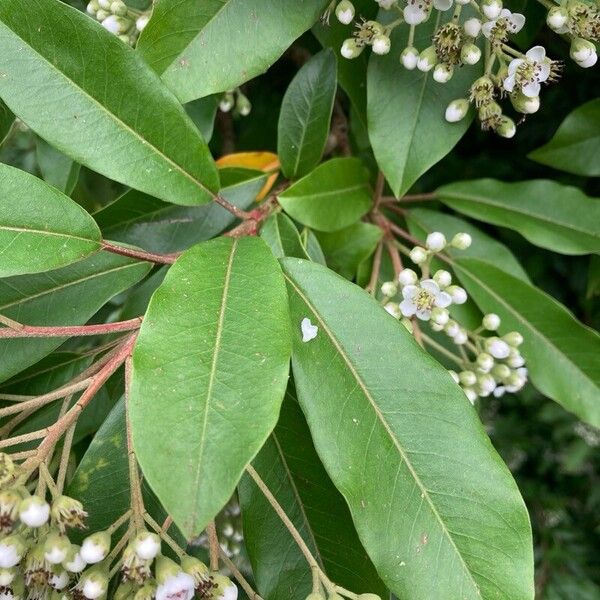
(486, 362)
(118, 18)
(477, 24)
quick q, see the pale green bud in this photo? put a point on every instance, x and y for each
(225, 589)
(125, 591)
(462, 241)
(501, 371)
(381, 44)
(243, 105)
(427, 59)
(418, 255)
(513, 338)
(344, 12)
(457, 110)
(389, 289)
(491, 321)
(557, 18)
(486, 384)
(407, 277)
(440, 316)
(196, 568)
(116, 25)
(119, 8)
(166, 568)
(491, 8)
(351, 48)
(95, 547)
(146, 545)
(12, 549)
(105, 4)
(92, 8)
(470, 54)
(409, 58)
(93, 583)
(443, 278)
(146, 592)
(485, 362)
(506, 128)
(442, 73)
(34, 511)
(102, 14)
(436, 241)
(56, 548)
(467, 378)
(7, 576)
(524, 104)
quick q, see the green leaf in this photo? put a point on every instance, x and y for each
(548, 214)
(335, 195)
(281, 235)
(220, 319)
(40, 227)
(423, 221)
(56, 168)
(313, 248)
(141, 220)
(406, 109)
(305, 115)
(433, 504)
(67, 296)
(6, 121)
(576, 144)
(101, 104)
(561, 353)
(220, 44)
(203, 112)
(345, 249)
(291, 468)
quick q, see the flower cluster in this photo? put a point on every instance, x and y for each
(38, 561)
(477, 24)
(236, 101)
(116, 17)
(488, 364)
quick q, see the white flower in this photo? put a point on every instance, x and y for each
(527, 74)
(409, 58)
(309, 331)
(442, 4)
(417, 11)
(458, 294)
(456, 110)
(147, 545)
(472, 27)
(436, 241)
(407, 277)
(506, 21)
(176, 587)
(34, 511)
(491, 8)
(420, 299)
(381, 44)
(497, 348)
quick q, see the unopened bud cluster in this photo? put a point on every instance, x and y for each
(38, 560)
(236, 101)
(489, 364)
(116, 17)
(458, 43)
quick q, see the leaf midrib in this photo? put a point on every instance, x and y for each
(485, 201)
(50, 233)
(388, 430)
(337, 192)
(112, 115)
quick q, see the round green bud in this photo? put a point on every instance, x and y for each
(470, 54)
(513, 338)
(418, 255)
(501, 371)
(381, 44)
(506, 128)
(524, 104)
(119, 8)
(491, 321)
(457, 110)
(462, 241)
(351, 48)
(485, 362)
(243, 105)
(467, 378)
(344, 12)
(389, 288)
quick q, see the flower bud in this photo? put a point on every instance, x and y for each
(59, 579)
(451, 328)
(442, 278)
(147, 545)
(514, 382)
(461, 337)
(147, 592)
(557, 19)
(93, 583)
(472, 27)
(418, 255)
(34, 511)
(407, 277)
(524, 104)
(389, 288)
(491, 8)
(497, 348)
(125, 591)
(7, 576)
(141, 22)
(513, 338)
(196, 568)
(9, 509)
(501, 371)
(471, 394)
(227, 102)
(12, 549)
(486, 383)
(393, 308)
(381, 44)
(485, 362)
(427, 59)
(92, 8)
(68, 512)
(105, 4)
(73, 562)
(344, 12)
(457, 110)
(409, 58)
(442, 73)
(491, 321)
(581, 49)
(243, 105)
(515, 360)
(467, 378)
(462, 241)
(102, 14)
(56, 548)
(119, 8)
(225, 589)
(115, 24)
(95, 547)
(470, 54)
(7, 469)
(351, 48)
(458, 294)
(440, 316)
(436, 241)
(507, 128)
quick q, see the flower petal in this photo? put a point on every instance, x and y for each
(531, 90)
(516, 22)
(442, 4)
(424, 314)
(409, 291)
(509, 83)
(429, 285)
(515, 63)
(537, 53)
(408, 308)
(487, 27)
(443, 300)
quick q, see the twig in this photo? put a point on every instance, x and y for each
(372, 285)
(161, 259)
(10, 323)
(64, 459)
(394, 255)
(379, 185)
(214, 546)
(164, 535)
(70, 331)
(232, 208)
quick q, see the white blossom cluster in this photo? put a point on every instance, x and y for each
(116, 17)
(477, 25)
(489, 364)
(38, 561)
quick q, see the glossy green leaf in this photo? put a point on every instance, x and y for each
(6, 121)
(335, 195)
(141, 220)
(345, 249)
(101, 104)
(291, 468)
(203, 112)
(575, 146)
(313, 248)
(67, 296)
(57, 169)
(281, 235)
(220, 317)
(433, 504)
(305, 115)
(423, 221)
(551, 215)
(561, 353)
(216, 45)
(407, 128)
(40, 228)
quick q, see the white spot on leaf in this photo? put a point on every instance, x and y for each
(309, 331)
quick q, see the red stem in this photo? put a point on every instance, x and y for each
(70, 331)
(161, 259)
